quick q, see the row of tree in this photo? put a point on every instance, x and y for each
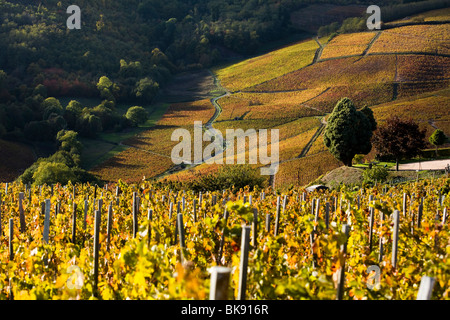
(40, 117)
(350, 132)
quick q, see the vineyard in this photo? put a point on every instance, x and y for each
(330, 73)
(421, 38)
(256, 70)
(394, 71)
(271, 105)
(140, 242)
(347, 45)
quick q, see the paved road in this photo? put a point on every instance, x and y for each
(426, 165)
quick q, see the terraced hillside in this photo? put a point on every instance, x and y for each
(403, 70)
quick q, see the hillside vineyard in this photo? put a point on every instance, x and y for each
(140, 242)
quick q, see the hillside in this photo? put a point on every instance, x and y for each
(111, 187)
(390, 75)
(14, 159)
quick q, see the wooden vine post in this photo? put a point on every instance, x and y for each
(21, 214)
(405, 196)
(313, 205)
(220, 279)
(222, 239)
(47, 220)
(195, 210)
(426, 288)
(255, 227)
(109, 226)
(380, 254)
(170, 210)
(149, 230)
(316, 215)
(267, 222)
(135, 214)
(277, 217)
(181, 232)
(395, 238)
(371, 221)
(85, 214)
(312, 236)
(175, 233)
(245, 246)
(419, 215)
(74, 222)
(284, 203)
(341, 271)
(96, 249)
(11, 237)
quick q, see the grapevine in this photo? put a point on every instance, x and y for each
(291, 265)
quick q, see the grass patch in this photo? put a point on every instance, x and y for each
(155, 113)
(96, 151)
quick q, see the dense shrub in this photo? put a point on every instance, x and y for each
(232, 177)
(137, 115)
(378, 174)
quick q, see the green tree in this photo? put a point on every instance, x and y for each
(53, 172)
(68, 141)
(40, 90)
(108, 89)
(137, 115)
(146, 89)
(399, 139)
(109, 117)
(369, 114)
(89, 125)
(51, 106)
(348, 132)
(131, 69)
(438, 138)
(73, 111)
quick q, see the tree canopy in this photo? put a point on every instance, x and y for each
(348, 131)
(438, 138)
(399, 138)
(137, 115)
